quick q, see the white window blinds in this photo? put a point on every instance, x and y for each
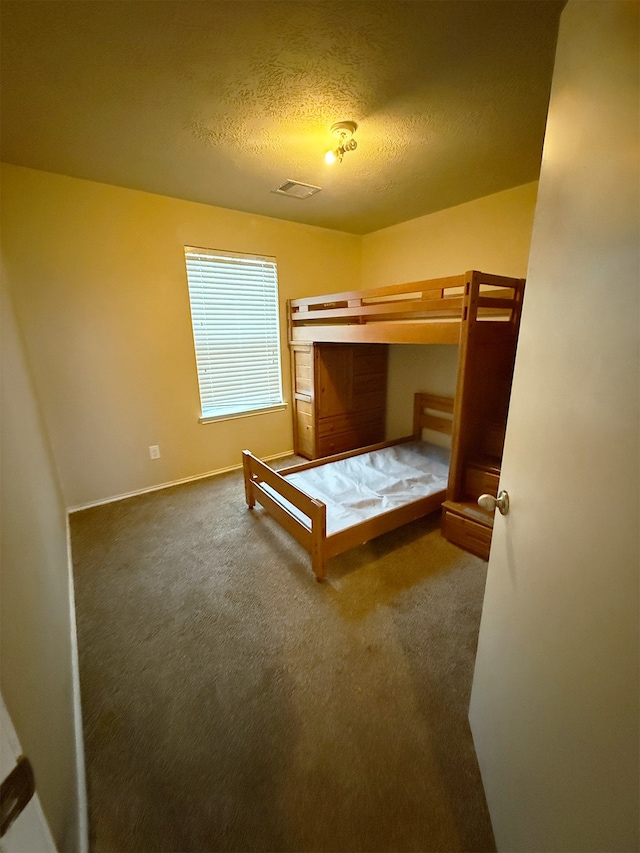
(236, 331)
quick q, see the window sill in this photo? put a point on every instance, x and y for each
(235, 415)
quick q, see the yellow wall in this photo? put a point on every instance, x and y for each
(99, 287)
(38, 664)
(490, 234)
(100, 292)
(98, 284)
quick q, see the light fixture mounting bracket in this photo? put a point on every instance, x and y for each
(343, 130)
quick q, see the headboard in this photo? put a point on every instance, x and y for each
(432, 412)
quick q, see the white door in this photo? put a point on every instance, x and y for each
(554, 708)
(30, 831)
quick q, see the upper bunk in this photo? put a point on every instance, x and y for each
(437, 311)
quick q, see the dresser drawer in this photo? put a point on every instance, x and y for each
(370, 358)
(478, 481)
(348, 423)
(351, 440)
(304, 408)
(370, 382)
(374, 399)
(303, 370)
(467, 534)
(338, 443)
(304, 441)
(304, 432)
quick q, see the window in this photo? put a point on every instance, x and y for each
(236, 331)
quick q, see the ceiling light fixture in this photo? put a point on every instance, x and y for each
(343, 132)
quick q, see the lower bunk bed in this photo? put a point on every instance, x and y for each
(338, 502)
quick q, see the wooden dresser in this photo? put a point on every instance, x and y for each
(340, 393)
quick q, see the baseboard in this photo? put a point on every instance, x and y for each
(82, 828)
(172, 483)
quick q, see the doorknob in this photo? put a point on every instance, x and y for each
(490, 503)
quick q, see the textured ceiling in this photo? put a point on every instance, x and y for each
(221, 102)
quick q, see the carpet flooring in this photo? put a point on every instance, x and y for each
(232, 703)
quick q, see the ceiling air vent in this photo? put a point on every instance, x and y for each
(294, 189)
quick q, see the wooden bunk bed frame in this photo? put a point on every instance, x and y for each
(430, 412)
(478, 311)
(421, 312)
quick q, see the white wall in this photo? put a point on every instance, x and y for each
(491, 234)
(38, 658)
(555, 703)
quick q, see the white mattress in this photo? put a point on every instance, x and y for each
(364, 486)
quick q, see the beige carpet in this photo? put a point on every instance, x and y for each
(232, 703)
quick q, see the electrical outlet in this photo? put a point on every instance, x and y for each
(154, 451)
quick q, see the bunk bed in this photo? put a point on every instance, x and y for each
(339, 401)
(435, 311)
(336, 503)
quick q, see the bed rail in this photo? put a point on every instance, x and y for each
(311, 535)
(431, 311)
(305, 517)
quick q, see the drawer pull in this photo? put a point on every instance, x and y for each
(490, 503)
